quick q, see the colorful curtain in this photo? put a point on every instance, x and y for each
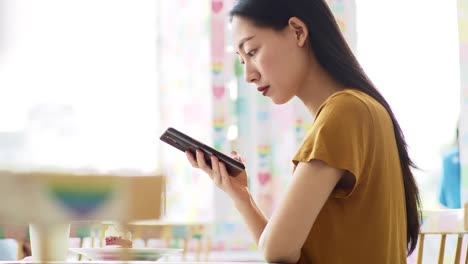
(184, 83)
(463, 125)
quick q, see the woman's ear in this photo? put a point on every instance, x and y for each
(299, 28)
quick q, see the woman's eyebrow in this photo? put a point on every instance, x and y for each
(241, 43)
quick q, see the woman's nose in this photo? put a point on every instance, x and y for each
(251, 75)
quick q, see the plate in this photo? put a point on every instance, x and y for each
(113, 253)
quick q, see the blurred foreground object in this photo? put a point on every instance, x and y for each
(49, 202)
(58, 197)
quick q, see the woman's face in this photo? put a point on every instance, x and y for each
(275, 61)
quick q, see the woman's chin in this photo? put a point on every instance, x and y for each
(279, 101)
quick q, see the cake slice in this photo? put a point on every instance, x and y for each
(116, 236)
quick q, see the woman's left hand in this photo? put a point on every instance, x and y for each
(235, 187)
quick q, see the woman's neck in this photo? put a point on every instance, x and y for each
(317, 87)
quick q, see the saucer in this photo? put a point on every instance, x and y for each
(115, 253)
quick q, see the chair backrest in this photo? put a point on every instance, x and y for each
(443, 222)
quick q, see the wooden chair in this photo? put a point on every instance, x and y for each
(443, 222)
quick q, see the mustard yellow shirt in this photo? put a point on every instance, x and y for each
(366, 221)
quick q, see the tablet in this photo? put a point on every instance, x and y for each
(183, 142)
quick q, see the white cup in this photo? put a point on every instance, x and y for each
(49, 241)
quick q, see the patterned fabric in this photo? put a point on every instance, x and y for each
(463, 140)
(184, 88)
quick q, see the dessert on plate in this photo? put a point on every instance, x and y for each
(117, 236)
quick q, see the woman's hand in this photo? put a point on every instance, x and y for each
(235, 187)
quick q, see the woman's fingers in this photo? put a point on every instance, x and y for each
(191, 159)
(223, 172)
(236, 156)
(216, 175)
(201, 162)
(217, 172)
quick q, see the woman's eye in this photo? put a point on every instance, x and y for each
(251, 53)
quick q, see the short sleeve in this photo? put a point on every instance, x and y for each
(340, 136)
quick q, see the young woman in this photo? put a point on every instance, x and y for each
(352, 197)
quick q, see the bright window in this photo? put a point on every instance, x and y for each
(410, 50)
(78, 84)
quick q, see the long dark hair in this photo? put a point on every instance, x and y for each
(335, 56)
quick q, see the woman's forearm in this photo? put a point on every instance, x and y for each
(253, 216)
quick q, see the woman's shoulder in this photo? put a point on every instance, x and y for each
(347, 102)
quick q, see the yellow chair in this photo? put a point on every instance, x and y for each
(443, 222)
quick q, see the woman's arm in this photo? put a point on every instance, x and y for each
(281, 238)
(253, 217)
(290, 224)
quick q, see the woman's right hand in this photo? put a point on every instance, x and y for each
(236, 187)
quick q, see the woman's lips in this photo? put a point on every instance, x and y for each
(263, 89)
